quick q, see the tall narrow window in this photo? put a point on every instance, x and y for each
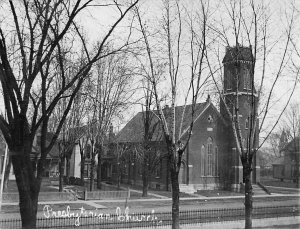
(247, 123)
(246, 79)
(88, 150)
(209, 157)
(216, 162)
(228, 80)
(2, 163)
(202, 160)
(244, 143)
(158, 169)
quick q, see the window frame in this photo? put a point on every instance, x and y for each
(210, 157)
(246, 79)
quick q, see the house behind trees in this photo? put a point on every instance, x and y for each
(288, 168)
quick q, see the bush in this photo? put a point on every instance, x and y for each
(75, 181)
(78, 181)
(72, 180)
(66, 180)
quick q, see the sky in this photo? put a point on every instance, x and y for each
(97, 20)
(278, 14)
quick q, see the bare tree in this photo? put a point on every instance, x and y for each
(111, 87)
(241, 101)
(71, 134)
(292, 128)
(39, 28)
(146, 152)
(175, 137)
(291, 120)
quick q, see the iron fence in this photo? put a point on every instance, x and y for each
(92, 219)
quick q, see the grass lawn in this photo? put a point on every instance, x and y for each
(214, 193)
(269, 181)
(45, 187)
(169, 193)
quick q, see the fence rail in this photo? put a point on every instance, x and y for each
(43, 196)
(103, 195)
(98, 195)
(152, 219)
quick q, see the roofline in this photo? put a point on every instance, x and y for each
(205, 108)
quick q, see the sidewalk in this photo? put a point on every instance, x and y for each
(282, 222)
(277, 187)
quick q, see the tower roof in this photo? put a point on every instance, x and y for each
(238, 53)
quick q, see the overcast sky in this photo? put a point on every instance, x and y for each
(97, 20)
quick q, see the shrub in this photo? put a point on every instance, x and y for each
(66, 180)
(72, 180)
(78, 181)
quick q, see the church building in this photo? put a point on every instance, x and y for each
(210, 160)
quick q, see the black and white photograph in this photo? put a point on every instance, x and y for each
(163, 114)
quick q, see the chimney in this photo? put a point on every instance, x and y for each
(208, 100)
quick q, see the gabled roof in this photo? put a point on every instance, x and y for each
(238, 53)
(134, 129)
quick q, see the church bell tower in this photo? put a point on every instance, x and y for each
(241, 99)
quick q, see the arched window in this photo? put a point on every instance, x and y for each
(210, 157)
(202, 160)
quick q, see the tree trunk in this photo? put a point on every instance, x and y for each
(28, 209)
(68, 167)
(134, 172)
(175, 198)
(6, 174)
(28, 189)
(61, 173)
(82, 162)
(118, 175)
(145, 177)
(167, 175)
(92, 172)
(129, 172)
(248, 197)
(99, 175)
